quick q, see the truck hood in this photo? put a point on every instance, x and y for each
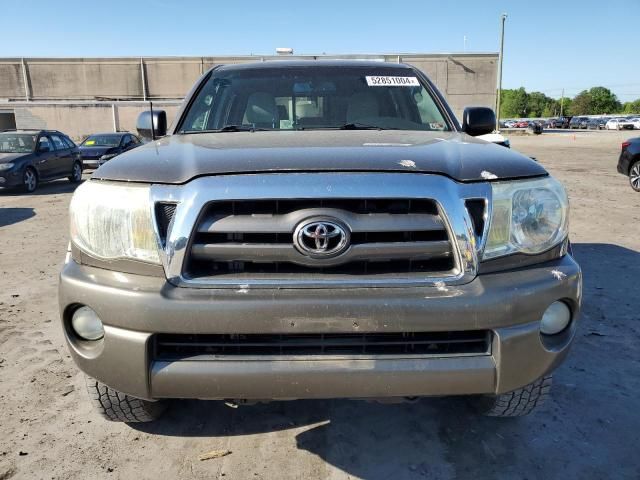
(176, 159)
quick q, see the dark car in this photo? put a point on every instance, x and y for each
(593, 124)
(101, 147)
(629, 162)
(535, 127)
(576, 122)
(554, 123)
(28, 157)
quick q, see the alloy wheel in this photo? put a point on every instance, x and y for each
(30, 180)
(634, 177)
(77, 172)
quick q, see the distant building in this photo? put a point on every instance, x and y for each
(80, 96)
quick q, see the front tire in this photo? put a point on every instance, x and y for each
(76, 173)
(29, 180)
(517, 403)
(634, 176)
(120, 407)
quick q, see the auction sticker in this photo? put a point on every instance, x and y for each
(392, 81)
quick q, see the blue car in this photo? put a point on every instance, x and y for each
(100, 147)
(28, 157)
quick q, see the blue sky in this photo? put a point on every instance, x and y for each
(548, 46)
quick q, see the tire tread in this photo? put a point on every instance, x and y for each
(519, 402)
(120, 407)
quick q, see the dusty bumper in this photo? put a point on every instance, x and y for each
(509, 304)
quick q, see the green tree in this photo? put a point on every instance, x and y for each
(632, 107)
(564, 106)
(537, 103)
(513, 103)
(582, 104)
(603, 100)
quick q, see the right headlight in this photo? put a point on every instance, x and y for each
(6, 166)
(112, 221)
(528, 216)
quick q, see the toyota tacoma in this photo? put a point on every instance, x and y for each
(318, 229)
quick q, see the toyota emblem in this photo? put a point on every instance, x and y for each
(320, 238)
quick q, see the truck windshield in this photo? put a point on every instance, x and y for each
(17, 142)
(310, 98)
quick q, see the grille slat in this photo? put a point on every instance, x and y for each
(278, 253)
(179, 346)
(374, 222)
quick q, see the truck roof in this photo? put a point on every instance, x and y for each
(269, 64)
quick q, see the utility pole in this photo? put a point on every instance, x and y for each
(503, 18)
(465, 43)
(562, 104)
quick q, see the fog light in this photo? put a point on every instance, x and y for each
(555, 318)
(86, 324)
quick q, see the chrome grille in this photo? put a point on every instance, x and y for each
(456, 211)
(255, 239)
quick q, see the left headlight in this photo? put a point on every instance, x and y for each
(6, 166)
(528, 216)
(109, 156)
(111, 221)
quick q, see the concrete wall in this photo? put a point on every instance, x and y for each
(75, 95)
(81, 119)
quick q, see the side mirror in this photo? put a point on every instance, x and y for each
(478, 121)
(145, 122)
(43, 149)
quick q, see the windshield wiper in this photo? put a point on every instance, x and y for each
(360, 126)
(229, 128)
(346, 126)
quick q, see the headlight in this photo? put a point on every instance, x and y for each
(528, 216)
(5, 166)
(111, 221)
(109, 156)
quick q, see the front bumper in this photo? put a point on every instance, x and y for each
(92, 163)
(134, 308)
(11, 178)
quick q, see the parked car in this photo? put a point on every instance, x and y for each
(101, 147)
(629, 162)
(636, 123)
(496, 138)
(576, 122)
(554, 123)
(602, 122)
(510, 124)
(563, 122)
(593, 124)
(29, 157)
(619, 124)
(236, 257)
(521, 124)
(534, 127)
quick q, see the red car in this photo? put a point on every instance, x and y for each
(521, 124)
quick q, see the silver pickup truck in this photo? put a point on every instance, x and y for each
(318, 229)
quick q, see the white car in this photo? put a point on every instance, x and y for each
(496, 138)
(636, 123)
(619, 124)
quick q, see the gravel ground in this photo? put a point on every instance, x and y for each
(590, 428)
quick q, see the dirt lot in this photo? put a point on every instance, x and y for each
(590, 429)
